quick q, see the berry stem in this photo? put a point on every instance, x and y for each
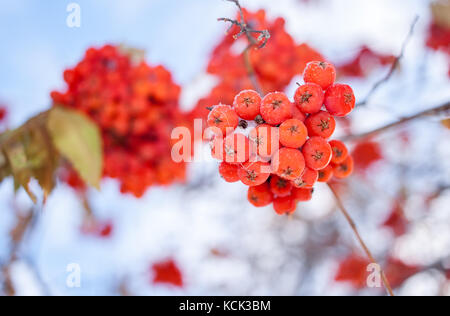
(246, 30)
(349, 219)
(251, 71)
(442, 109)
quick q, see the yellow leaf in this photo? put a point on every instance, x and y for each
(78, 140)
(446, 123)
(15, 151)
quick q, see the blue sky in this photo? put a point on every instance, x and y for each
(38, 45)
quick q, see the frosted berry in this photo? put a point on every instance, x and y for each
(234, 149)
(344, 169)
(307, 180)
(284, 205)
(321, 124)
(339, 100)
(340, 151)
(293, 133)
(224, 118)
(265, 139)
(288, 163)
(254, 173)
(280, 187)
(302, 195)
(276, 108)
(229, 172)
(321, 73)
(260, 195)
(247, 104)
(326, 174)
(309, 98)
(317, 153)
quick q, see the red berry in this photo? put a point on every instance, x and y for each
(234, 149)
(254, 173)
(260, 195)
(309, 98)
(280, 187)
(321, 124)
(293, 133)
(276, 108)
(229, 172)
(297, 114)
(247, 104)
(284, 205)
(321, 73)
(317, 153)
(302, 195)
(340, 100)
(345, 169)
(340, 151)
(224, 118)
(265, 139)
(307, 180)
(288, 163)
(326, 174)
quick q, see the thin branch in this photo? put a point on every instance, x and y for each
(360, 240)
(441, 109)
(248, 31)
(394, 66)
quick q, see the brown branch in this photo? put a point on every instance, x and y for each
(394, 65)
(360, 240)
(248, 31)
(441, 109)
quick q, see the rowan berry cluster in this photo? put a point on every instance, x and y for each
(136, 107)
(274, 66)
(279, 148)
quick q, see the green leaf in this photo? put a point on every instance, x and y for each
(78, 140)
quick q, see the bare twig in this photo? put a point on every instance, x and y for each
(248, 31)
(394, 66)
(360, 240)
(441, 109)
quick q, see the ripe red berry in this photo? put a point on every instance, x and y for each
(340, 100)
(307, 180)
(340, 151)
(234, 149)
(309, 98)
(284, 205)
(345, 169)
(297, 114)
(254, 173)
(293, 133)
(224, 118)
(276, 108)
(288, 163)
(229, 172)
(321, 124)
(265, 139)
(260, 195)
(317, 153)
(280, 187)
(321, 73)
(247, 104)
(302, 195)
(326, 174)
